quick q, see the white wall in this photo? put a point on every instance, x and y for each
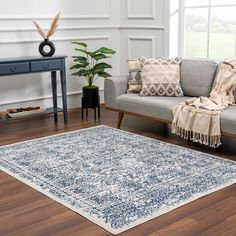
(132, 27)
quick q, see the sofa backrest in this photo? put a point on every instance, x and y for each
(197, 76)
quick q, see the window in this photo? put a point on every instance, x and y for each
(206, 28)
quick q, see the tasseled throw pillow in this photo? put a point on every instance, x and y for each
(134, 78)
(161, 77)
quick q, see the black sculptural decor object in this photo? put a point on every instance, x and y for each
(47, 42)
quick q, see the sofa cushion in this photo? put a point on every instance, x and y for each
(197, 76)
(161, 107)
(228, 120)
(154, 106)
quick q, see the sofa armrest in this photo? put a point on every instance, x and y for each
(113, 87)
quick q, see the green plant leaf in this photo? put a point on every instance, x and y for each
(80, 43)
(104, 74)
(102, 65)
(96, 71)
(99, 56)
(83, 72)
(75, 74)
(80, 59)
(84, 51)
(105, 51)
(77, 66)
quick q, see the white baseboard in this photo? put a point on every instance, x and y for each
(73, 98)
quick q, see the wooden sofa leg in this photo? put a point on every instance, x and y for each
(120, 118)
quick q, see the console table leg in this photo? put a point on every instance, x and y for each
(54, 93)
(64, 93)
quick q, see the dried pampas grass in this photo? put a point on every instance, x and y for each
(54, 26)
(39, 29)
(52, 29)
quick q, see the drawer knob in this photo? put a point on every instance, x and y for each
(46, 66)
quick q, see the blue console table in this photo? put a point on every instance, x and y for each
(16, 66)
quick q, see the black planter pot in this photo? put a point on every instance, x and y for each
(90, 99)
(48, 43)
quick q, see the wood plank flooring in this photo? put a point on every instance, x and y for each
(26, 212)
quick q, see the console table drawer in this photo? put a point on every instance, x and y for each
(45, 65)
(16, 68)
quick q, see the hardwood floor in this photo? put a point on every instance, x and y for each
(24, 211)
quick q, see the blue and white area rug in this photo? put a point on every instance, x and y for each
(115, 178)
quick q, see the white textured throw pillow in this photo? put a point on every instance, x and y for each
(161, 77)
(134, 78)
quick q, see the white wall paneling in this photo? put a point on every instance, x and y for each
(140, 12)
(137, 43)
(139, 9)
(63, 17)
(139, 46)
(131, 27)
(92, 27)
(166, 43)
(43, 9)
(65, 39)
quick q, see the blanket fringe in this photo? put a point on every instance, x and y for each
(213, 141)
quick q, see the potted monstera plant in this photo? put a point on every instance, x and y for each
(91, 65)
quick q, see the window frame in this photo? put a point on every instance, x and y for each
(182, 9)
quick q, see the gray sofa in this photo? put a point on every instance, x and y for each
(197, 78)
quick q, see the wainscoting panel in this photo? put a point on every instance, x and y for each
(139, 46)
(138, 43)
(139, 9)
(139, 12)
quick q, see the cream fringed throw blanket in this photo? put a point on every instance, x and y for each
(198, 119)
